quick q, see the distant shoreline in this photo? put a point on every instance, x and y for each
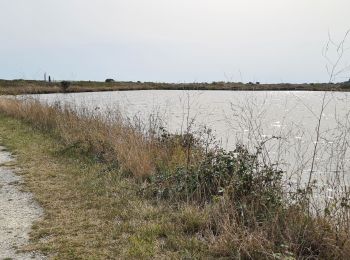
(17, 87)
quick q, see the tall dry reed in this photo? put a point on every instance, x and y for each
(233, 200)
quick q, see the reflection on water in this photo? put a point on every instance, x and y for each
(248, 117)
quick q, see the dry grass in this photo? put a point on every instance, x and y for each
(91, 210)
(113, 142)
(77, 167)
(17, 87)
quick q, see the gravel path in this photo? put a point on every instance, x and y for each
(18, 211)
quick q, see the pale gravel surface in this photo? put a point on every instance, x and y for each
(18, 211)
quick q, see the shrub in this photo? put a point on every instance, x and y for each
(109, 80)
(345, 85)
(237, 175)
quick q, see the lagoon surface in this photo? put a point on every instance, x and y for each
(242, 116)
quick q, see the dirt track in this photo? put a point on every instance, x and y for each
(18, 211)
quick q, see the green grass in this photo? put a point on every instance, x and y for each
(91, 212)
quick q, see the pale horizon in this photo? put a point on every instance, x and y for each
(171, 41)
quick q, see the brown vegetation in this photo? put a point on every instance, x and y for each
(225, 204)
(15, 87)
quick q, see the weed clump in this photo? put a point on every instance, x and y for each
(236, 174)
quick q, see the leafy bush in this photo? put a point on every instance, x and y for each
(109, 80)
(238, 176)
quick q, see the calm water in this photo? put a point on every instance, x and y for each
(248, 117)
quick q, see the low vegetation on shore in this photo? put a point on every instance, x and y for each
(14, 87)
(116, 188)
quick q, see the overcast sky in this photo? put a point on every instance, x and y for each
(170, 40)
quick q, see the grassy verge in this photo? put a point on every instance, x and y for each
(114, 190)
(39, 87)
(91, 212)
